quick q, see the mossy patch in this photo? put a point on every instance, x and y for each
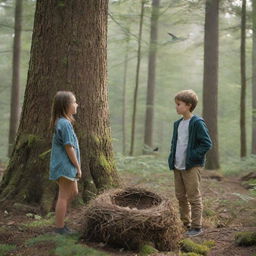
(147, 249)
(32, 139)
(38, 223)
(6, 248)
(245, 238)
(65, 245)
(105, 163)
(190, 254)
(187, 245)
(95, 139)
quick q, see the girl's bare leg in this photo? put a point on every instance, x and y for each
(67, 190)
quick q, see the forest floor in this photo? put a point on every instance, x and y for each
(228, 208)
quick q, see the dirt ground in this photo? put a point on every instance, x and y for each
(228, 208)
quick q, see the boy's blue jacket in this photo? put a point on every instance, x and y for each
(199, 142)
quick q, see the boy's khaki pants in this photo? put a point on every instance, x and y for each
(187, 190)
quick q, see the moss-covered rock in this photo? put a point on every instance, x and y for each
(245, 238)
(187, 245)
(147, 249)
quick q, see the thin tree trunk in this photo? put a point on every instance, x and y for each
(254, 77)
(149, 122)
(69, 52)
(243, 82)
(124, 91)
(210, 81)
(15, 91)
(137, 79)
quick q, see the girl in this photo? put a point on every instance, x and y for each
(65, 155)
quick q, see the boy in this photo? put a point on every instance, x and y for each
(190, 142)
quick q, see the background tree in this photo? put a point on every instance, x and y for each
(253, 150)
(124, 124)
(15, 92)
(148, 132)
(64, 56)
(243, 149)
(137, 79)
(210, 80)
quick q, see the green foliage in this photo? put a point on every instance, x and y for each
(245, 238)
(65, 245)
(6, 248)
(187, 245)
(237, 166)
(251, 184)
(144, 164)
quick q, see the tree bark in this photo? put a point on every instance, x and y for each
(137, 79)
(210, 80)
(68, 52)
(149, 122)
(15, 91)
(243, 82)
(254, 77)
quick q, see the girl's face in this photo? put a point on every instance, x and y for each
(182, 108)
(72, 106)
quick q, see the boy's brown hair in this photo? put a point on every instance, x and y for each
(189, 97)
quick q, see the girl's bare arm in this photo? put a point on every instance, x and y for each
(72, 156)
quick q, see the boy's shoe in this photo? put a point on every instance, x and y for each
(194, 232)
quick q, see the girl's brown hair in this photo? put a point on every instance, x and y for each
(60, 106)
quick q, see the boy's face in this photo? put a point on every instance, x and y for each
(182, 108)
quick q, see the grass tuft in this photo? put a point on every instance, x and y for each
(6, 248)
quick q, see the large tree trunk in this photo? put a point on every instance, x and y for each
(210, 81)
(254, 77)
(148, 132)
(15, 92)
(137, 80)
(68, 53)
(243, 82)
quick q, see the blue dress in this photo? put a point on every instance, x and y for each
(60, 164)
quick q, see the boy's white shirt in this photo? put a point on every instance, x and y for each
(182, 143)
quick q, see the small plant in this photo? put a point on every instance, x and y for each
(39, 222)
(245, 238)
(6, 248)
(209, 243)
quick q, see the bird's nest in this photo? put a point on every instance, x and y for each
(131, 217)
